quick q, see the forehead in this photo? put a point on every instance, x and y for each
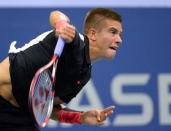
(110, 23)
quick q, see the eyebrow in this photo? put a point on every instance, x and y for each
(113, 28)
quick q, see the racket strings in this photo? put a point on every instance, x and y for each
(42, 97)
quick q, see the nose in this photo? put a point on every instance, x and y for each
(118, 39)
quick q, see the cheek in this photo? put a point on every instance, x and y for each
(107, 41)
(105, 38)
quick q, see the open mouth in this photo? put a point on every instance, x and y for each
(113, 48)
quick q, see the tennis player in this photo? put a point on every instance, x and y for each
(101, 38)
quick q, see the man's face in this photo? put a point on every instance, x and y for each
(108, 38)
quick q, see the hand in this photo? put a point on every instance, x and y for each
(60, 22)
(66, 31)
(96, 117)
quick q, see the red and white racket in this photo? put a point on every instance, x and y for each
(41, 94)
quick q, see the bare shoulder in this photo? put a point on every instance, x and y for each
(4, 71)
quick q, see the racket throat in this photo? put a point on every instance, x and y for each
(54, 72)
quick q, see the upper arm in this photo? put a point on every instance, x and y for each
(4, 71)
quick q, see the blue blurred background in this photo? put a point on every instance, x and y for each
(137, 82)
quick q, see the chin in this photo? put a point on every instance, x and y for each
(110, 57)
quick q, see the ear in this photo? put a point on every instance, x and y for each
(92, 34)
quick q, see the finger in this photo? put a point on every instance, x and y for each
(70, 32)
(67, 36)
(109, 113)
(70, 35)
(108, 109)
(70, 28)
(98, 116)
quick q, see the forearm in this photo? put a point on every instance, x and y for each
(91, 117)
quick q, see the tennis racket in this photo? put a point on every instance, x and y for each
(41, 94)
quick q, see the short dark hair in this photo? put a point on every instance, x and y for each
(94, 16)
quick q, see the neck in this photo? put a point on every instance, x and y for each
(93, 53)
(93, 50)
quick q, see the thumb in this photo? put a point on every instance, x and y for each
(98, 116)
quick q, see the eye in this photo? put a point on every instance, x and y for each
(114, 31)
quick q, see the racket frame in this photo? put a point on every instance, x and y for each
(53, 62)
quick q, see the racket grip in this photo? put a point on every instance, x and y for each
(59, 47)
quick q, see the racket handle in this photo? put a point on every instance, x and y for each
(59, 47)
